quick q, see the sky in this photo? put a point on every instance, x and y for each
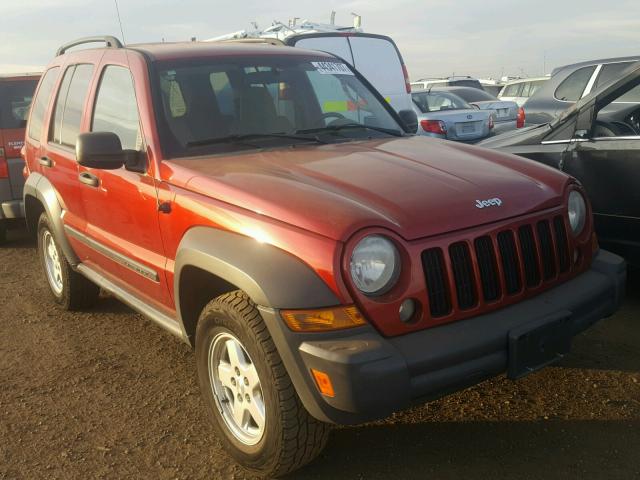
(486, 38)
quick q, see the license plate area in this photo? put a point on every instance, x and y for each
(467, 127)
(503, 112)
(537, 344)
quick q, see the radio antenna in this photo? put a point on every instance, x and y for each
(120, 21)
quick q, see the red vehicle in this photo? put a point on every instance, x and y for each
(16, 91)
(266, 205)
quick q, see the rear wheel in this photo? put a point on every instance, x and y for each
(255, 409)
(70, 290)
(3, 232)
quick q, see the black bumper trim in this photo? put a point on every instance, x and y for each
(374, 376)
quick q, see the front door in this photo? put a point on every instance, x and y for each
(609, 169)
(120, 205)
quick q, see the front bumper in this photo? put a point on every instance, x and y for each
(374, 376)
(11, 209)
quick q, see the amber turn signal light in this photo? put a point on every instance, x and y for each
(324, 383)
(322, 320)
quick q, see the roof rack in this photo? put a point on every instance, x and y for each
(110, 41)
(265, 41)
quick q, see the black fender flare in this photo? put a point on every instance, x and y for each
(40, 188)
(270, 276)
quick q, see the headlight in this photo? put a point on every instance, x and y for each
(375, 265)
(577, 210)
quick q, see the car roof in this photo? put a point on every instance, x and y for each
(20, 76)
(178, 50)
(456, 88)
(595, 62)
(523, 80)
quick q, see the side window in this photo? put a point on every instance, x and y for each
(570, 90)
(535, 86)
(610, 72)
(512, 90)
(69, 104)
(116, 108)
(41, 102)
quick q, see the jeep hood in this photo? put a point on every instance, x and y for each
(415, 186)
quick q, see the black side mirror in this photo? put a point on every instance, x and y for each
(101, 150)
(410, 120)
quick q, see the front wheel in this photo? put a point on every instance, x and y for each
(255, 409)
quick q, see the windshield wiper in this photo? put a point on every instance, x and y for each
(335, 128)
(239, 138)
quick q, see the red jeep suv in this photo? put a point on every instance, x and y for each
(267, 205)
(16, 91)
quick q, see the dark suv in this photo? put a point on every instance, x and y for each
(16, 91)
(570, 83)
(268, 207)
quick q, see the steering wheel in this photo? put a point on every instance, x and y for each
(336, 115)
(606, 129)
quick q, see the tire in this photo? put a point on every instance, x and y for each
(70, 290)
(3, 232)
(290, 437)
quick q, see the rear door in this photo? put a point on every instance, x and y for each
(58, 158)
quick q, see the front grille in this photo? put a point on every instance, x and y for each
(509, 262)
(436, 276)
(486, 257)
(463, 275)
(529, 256)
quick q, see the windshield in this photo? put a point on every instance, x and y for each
(223, 104)
(439, 101)
(15, 99)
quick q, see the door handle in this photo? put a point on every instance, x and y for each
(89, 179)
(45, 162)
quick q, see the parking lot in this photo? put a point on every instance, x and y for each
(106, 394)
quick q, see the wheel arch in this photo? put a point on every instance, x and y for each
(41, 196)
(211, 262)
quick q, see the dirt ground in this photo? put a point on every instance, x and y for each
(107, 394)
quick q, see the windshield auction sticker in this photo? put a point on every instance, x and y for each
(332, 68)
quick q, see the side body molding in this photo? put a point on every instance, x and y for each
(40, 188)
(270, 276)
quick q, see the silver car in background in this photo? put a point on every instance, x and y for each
(445, 115)
(507, 114)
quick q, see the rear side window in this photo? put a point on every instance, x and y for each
(571, 89)
(41, 102)
(70, 103)
(512, 90)
(610, 72)
(116, 108)
(15, 99)
(378, 61)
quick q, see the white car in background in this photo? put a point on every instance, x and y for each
(520, 90)
(376, 57)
